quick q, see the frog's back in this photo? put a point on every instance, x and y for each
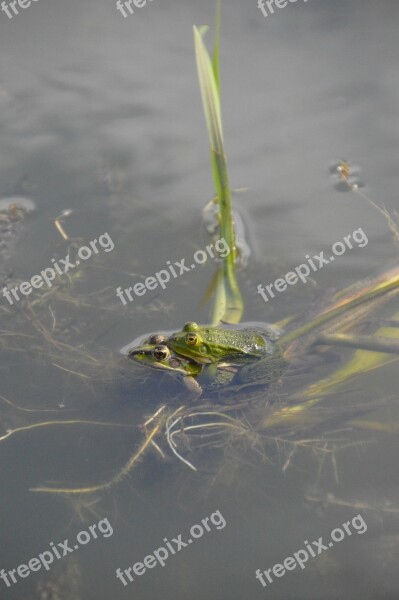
(249, 339)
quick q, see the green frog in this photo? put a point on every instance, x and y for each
(233, 358)
(208, 344)
(157, 355)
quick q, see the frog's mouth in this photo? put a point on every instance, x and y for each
(202, 360)
(133, 353)
(139, 356)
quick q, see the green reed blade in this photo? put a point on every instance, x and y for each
(229, 304)
(215, 58)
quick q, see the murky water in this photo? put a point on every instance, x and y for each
(101, 115)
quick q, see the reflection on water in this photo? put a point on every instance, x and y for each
(114, 131)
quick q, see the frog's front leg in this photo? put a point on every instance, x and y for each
(192, 385)
(266, 370)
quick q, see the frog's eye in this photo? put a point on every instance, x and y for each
(191, 339)
(190, 326)
(161, 352)
(157, 339)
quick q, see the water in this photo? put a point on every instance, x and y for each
(102, 115)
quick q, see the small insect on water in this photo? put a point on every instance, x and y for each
(344, 170)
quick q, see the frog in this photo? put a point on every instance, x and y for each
(155, 354)
(207, 344)
(227, 374)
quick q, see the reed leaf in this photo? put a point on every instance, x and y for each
(228, 303)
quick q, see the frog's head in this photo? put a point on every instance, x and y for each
(191, 343)
(159, 356)
(156, 339)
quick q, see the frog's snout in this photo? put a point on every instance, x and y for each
(133, 353)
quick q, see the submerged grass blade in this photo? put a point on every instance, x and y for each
(362, 362)
(229, 305)
(368, 297)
